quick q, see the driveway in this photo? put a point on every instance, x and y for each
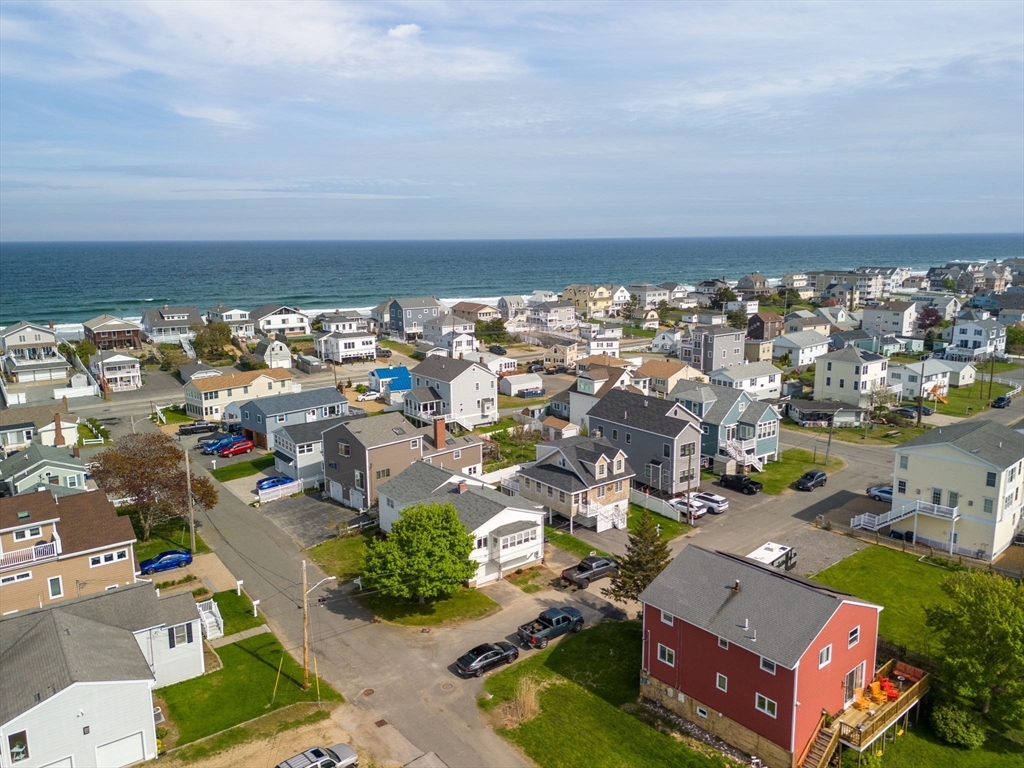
(308, 519)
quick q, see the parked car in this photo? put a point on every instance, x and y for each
(496, 349)
(207, 439)
(907, 536)
(272, 482)
(338, 756)
(811, 480)
(881, 493)
(551, 623)
(694, 508)
(561, 369)
(535, 368)
(904, 413)
(477, 661)
(368, 395)
(382, 352)
(216, 446)
(166, 561)
(926, 410)
(245, 446)
(712, 502)
(232, 428)
(740, 483)
(197, 428)
(589, 569)
(1003, 401)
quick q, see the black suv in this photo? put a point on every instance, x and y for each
(197, 428)
(1003, 401)
(496, 349)
(740, 483)
(811, 480)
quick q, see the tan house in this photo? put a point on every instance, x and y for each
(602, 361)
(583, 479)
(757, 350)
(664, 375)
(591, 300)
(52, 548)
(20, 427)
(208, 397)
(562, 353)
(474, 312)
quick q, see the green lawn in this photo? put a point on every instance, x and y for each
(176, 415)
(506, 423)
(236, 610)
(504, 401)
(341, 557)
(874, 436)
(510, 453)
(570, 543)
(670, 529)
(975, 397)
(780, 475)
(464, 605)
(243, 468)
(920, 748)
(899, 583)
(906, 359)
(591, 680)
(396, 346)
(170, 535)
(638, 333)
(242, 690)
(528, 579)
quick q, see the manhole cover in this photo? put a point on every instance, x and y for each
(368, 692)
(447, 687)
(381, 723)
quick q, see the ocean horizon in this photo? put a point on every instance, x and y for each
(70, 282)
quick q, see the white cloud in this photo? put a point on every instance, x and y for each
(405, 30)
(222, 117)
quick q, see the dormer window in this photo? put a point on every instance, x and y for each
(600, 470)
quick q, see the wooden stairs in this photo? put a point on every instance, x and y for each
(822, 749)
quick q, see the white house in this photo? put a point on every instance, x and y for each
(499, 365)
(343, 347)
(122, 373)
(959, 488)
(517, 385)
(601, 339)
(462, 391)
(169, 324)
(667, 342)
(961, 374)
(803, 347)
(619, 294)
(761, 381)
(552, 315)
(850, 375)
(274, 352)
(30, 354)
(975, 340)
(344, 321)
(236, 319)
(927, 379)
(277, 318)
(746, 306)
(451, 332)
(540, 296)
(507, 531)
(19, 427)
(897, 318)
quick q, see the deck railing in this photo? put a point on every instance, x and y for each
(865, 733)
(810, 742)
(35, 554)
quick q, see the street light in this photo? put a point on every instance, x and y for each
(831, 424)
(305, 624)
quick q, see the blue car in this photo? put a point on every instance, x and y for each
(166, 561)
(218, 445)
(272, 482)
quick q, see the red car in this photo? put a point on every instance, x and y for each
(245, 446)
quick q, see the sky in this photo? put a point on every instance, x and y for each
(419, 120)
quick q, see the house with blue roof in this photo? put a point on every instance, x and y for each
(396, 380)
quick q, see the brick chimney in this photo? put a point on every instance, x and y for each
(59, 437)
(462, 487)
(76, 451)
(439, 432)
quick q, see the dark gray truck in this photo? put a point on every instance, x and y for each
(590, 569)
(550, 624)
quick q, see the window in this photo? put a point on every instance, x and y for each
(259, 419)
(332, 464)
(824, 656)
(990, 479)
(16, 577)
(481, 542)
(687, 449)
(28, 533)
(723, 643)
(179, 635)
(767, 665)
(360, 480)
(901, 486)
(953, 499)
(666, 451)
(666, 618)
(17, 746)
(904, 461)
(763, 704)
(828, 366)
(828, 381)
(551, 491)
(72, 481)
(666, 655)
(382, 473)
(842, 383)
(936, 495)
(853, 638)
(414, 444)
(600, 491)
(988, 505)
(628, 438)
(618, 486)
(702, 712)
(344, 448)
(615, 434)
(56, 587)
(722, 682)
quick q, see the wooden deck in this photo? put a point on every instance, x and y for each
(859, 728)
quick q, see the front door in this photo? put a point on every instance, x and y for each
(854, 680)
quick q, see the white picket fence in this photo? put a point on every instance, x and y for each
(653, 503)
(284, 491)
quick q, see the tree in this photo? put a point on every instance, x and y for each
(426, 555)
(149, 469)
(85, 349)
(723, 295)
(663, 310)
(1015, 337)
(249, 362)
(492, 331)
(930, 317)
(737, 319)
(949, 284)
(785, 360)
(631, 307)
(211, 339)
(646, 557)
(883, 398)
(981, 629)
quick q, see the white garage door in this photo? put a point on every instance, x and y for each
(337, 491)
(121, 752)
(65, 763)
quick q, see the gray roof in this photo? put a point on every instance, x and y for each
(381, 430)
(134, 608)
(724, 398)
(747, 370)
(647, 413)
(290, 402)
(422, 395)
(801, 339)
(785, 611)
(415, 302)
(54, 490)
(754, 412)
(188, 370)
(443, 368)
(715, 330)
(20, 462)
(509, 528)
(989, 441)
(268, 309)
(576, 476)
(154, 316)
(852, 354)
(264, 344)
(311, 431)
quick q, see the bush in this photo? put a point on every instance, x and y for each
(958, 726)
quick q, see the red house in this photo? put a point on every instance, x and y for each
(755, 656)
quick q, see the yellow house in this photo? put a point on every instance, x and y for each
(206, 398)
(592, 300)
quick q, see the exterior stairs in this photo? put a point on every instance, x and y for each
(822, 749)
(897, 513)
(611, 516)
(734, 450)
(213, 624)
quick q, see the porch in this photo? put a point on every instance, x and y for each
(31, 555)
(863, 723)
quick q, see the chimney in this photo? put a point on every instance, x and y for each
(736, 586)
(51, 325)
(482, 360)
(462, 487)
(59, 437)
(439, 432)
(76, 451)
(64, 400)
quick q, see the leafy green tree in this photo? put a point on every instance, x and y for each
(981, 629)
(492, 331)
(663, 309)
(149, 469)
(85, 349)
(1015, 337)
(737, 319)
(211, 339)
(250, 362)
(785, 360)
(722, 296)
(646, 557)
(426, 555)
(631, 307)
(949, 284)
(317, 325)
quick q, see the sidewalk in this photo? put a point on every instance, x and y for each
(245, 634)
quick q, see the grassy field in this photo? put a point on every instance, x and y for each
(899, 583)
(504, 401)
(506, 423)
(874, 436)
(243, 468)
(236, 610)
(780, 475)
(396, 346)
(176, 415)
(570, 543)
(590, 686)
(510, 453)
(464, 605)
(919, 747)
(529, 580)
(975, 397)
(173, 534)
(242, 690)
(341, 557)
(638, 333)
(670, 529)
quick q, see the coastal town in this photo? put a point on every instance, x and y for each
(849, 426)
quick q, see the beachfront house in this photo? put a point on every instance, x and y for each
(238, 320)
(512, 308)
(117, 373)
(552, 316)
(270, 319)
(30, 354)
(169, 325)
(475, 312)
(109, 332)
(344, 347)
(406, 317)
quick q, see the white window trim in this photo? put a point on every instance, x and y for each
(722, 682)
(668, 652)
(723, 643)
(49, 588)
(671, 619)
(12, 578)
(827, 653)
(701, 712)
(853, 637)
(758, 697)
(770, 670)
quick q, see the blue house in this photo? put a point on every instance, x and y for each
(397, 379)
(406, 317)
(735, 425)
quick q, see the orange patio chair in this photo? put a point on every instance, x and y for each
(877, 695)
(859, 701)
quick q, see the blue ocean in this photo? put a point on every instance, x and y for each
(71, 282)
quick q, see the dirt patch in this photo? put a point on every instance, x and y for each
(1012, 559)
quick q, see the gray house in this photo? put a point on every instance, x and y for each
(407, 316)
(462, 391)
(170, 324)
(710, 347)
(41, 465)
(299, 448)
(658, 435)
(274, 352)
(511, 307)
(261, 418)
(735, 425)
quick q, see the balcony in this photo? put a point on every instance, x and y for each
(860, 728)
(30, 555)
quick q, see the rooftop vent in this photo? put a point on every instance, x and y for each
(736, 586)
(23, 515)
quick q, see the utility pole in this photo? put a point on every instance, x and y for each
(689, 482)
(991, 373)
(831, 425)
(920, 395)
(191, 508)
(305, 631)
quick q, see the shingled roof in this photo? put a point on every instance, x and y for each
(651, 414)
(989, 441)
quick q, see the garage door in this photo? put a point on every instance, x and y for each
(121, 752)
(337, 491)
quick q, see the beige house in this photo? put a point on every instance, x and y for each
(757, 350)
(958, 488)
(589, 300)
(206, 398)
(664, 375)
(850, 375)
(474, 312)
(54, 548)
(562, 353)
(20, 427)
